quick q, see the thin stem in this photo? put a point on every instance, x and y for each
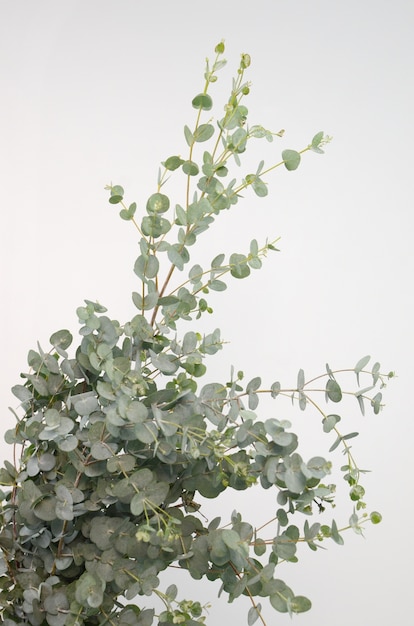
(164, 287)
(252, 600)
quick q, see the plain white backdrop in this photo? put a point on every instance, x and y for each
(99, 91)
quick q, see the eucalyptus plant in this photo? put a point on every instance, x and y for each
(117, 441)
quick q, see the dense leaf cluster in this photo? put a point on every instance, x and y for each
(119, 440)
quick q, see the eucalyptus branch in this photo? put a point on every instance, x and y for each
(121, 438)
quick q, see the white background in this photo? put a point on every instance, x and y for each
(98, 91)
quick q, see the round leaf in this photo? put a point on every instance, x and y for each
(333, 390)
(204, 132)
(202, 101)
(61, 339)
(173, 163)
(158, 203)
(291, 159)
(190, 168)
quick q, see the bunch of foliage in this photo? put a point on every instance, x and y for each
(119, 441)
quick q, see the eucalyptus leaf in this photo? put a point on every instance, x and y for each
(188, 136)
(173, 163)
(190, 168)
(204, 132)
(329, 422)
(333, 391)
(291, 159)
(202, 101)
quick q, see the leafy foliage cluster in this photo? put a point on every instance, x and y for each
(119, 440)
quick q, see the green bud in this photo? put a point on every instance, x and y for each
(357, 492)
(245, 61)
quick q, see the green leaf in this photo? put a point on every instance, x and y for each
(189, 342)
(145, 618)
(349, 436)
(316, 142)
(336, 443)
(360, 366)
(203, 133)
(278, 434)
(318, 466)
(217, 262)
(178, 256)
(117, 190)
(302, 401)
(282, 517)
(188, 136)
(376, 403)
(279, 599)
(39, 384)
(356, 493)
(190, 168)
(195, 274)
(376, 517)
(361, 403)
(293, 476)
(150, 495)
(158, 203)
(291, 159)
(254, 384)
(171, 592)
(168, 300)
(89, 591)
(68, 443)
(147, 432)
(146, 266)
(124, 463)
(128, 214)
(217, 285)
(301, 380)
(238, 140)
(155, 226)
(165, 363)
(86, 404)
(181, 218)
(101, 451)
(375, 373)
(147, 303)
(335, 534)
(173, 163)
(254, 614)
(300, 604)
(197, 210)
(275, 389)
(202, 101)
(231, 538)
(22, 393)
(56, 605)
(46, 508)
(115, 199)
(238, 266)
(329, 422)
(64, 503)
(259, 187)
(124, 214)
(61, 340)
(333, 391)
(259, 547)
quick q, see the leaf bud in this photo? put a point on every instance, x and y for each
(245, 61)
